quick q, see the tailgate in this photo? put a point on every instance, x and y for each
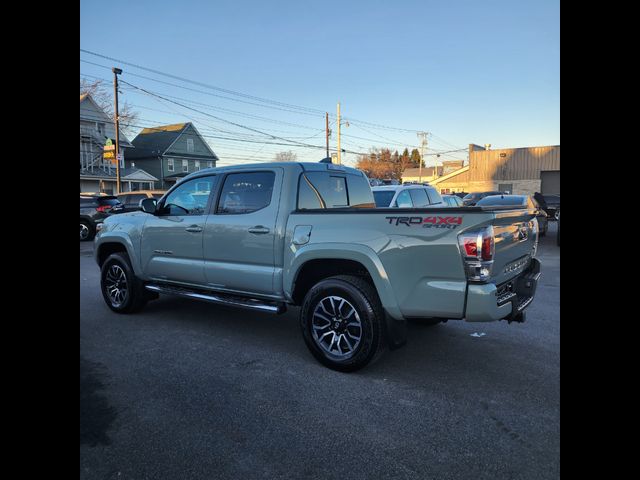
(516, 238)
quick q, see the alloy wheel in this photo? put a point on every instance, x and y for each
(84, 231)
(116, 285)
(336, 327)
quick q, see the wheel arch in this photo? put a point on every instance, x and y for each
(312, 263)
(114, 244)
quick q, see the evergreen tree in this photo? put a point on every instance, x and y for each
(415, 159)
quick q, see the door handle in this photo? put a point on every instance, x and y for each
(259, 230)
(194, 229)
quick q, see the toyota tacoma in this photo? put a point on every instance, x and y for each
(268, 236)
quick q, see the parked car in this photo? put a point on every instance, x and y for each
(269, 235)
(407, 196)
(131, 200)
(470, 199)
(460, 194)
(453, 200)
(553, 205)
(93, 210)
(522, 201)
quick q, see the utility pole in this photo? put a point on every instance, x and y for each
(326, 127)
(338, 125)
(423, 143)
(116, 72)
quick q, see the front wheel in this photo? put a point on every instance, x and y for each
(122, 290)
(341, 320)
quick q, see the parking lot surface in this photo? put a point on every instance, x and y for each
(186, 389)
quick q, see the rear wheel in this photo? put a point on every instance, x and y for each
(341, 320)
(87, 231)
(122, 290)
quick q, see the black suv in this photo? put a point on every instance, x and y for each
(470, 199)
(553, 205)
(93, 210)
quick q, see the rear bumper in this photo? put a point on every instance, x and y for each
(507, 301)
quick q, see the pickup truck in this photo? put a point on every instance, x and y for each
(268, 236)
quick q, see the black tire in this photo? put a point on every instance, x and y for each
(425, 322)
(363, 298)
(135, 297)
(87, 230)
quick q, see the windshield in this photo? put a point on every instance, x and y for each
(383, 198)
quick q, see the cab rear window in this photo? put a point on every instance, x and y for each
(333, 190)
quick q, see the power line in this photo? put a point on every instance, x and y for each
(269, 102)
(274, 137)
(224, 90)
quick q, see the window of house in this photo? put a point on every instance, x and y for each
(189, 144)
(210, 164)
(170, 165)
(100, 127)
(185, 165)
(196, 165)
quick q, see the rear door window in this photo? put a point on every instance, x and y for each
(246, 192)
(434, 196)
(419, 197)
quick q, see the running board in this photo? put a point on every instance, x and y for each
(220, 298)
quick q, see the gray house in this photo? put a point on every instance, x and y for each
(169, 152)
(98, 174)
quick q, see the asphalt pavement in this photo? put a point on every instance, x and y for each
(191, 390)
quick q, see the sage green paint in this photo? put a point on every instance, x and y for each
(417, 271)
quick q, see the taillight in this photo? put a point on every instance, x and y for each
(487, 247)
(103, 208)
(477, 248)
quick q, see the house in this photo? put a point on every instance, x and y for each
(170, 152)
(98, 174)
(428, 174)
(522, 171)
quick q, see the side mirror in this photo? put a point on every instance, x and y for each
(148, 205)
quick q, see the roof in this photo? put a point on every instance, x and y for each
(156, 140)
(450, 175)
(134, 173)
(382, 188)
(110, 127)
(299, 166)
(426, 172)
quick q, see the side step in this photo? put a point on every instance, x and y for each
(220, 298)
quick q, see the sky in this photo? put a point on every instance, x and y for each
(483, 72)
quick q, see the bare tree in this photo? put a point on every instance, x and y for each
(287, 156)
(103, 96)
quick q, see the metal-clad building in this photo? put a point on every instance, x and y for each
(516, 170)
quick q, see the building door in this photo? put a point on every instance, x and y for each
(550, 182)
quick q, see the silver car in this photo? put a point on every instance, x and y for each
(407, 196)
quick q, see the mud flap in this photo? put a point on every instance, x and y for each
(395, 332)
